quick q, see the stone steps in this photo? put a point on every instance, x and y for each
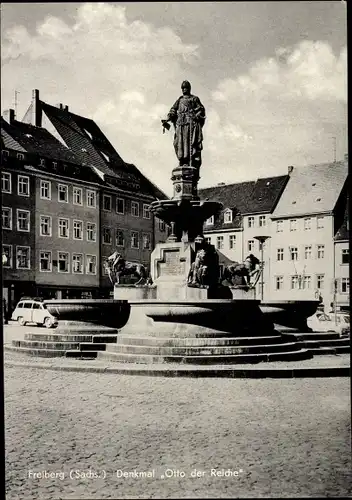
(77, 354)
(206, 359)
(50, 346)
(199, 341)
(32, 351)
(58, 337)
(201, 351)
(326, 342)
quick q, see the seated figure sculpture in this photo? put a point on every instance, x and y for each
(117, 266)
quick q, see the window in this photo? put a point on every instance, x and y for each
(227, 216)
(219, 242)
(54, 164)
(23, 257)
(6, 218)
(262, 220)
(161, 225)
(77, 196)
(308, 252)
(293, 253)
(5, 182)
(91, 198)
(63, 193)
(321, 251)
(279, 226)
(307, 224)
(232, 241)
(135, 209)
(20, 156)
(23, 220)
(120, 241)
(210, 221)
(63, 228)
(42, 162)
(63, 262)
(345, 254)
(250, 245)
(320, 222)
(45, 262)
(294, 283)
(7, 253)
(77, 263)
(120, 206)
(250, 221)
(306, 282)
(208, 239)
(77, 230)
(107, 236)
(23, 185)
(5, 153)
(91, 231)
(320, 281)
(279, 282)
(91, 264)
(45, 225)
(146, 242)
(45, 190)
(293, 225)
(107, 203)
(280, 254)
(146, 211)
(134, 239)
(345, 285)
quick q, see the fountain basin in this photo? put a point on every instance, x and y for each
(292, 314)
(106, 312)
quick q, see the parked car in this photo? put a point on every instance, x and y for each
(33, 311)
(322, 322)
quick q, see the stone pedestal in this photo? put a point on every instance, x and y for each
(185, 179)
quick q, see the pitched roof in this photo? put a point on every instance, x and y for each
(312, 189)
(25, 137)
(90, 144)
(265, 194)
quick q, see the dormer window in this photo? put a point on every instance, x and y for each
(227, 216)
(4, 152)
(210, 221)
(54, 164)
(42, 162)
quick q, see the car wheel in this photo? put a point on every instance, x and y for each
(48, 322)
(21, 321)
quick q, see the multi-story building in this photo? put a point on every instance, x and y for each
(18, 223)
(342, 264)
(245, 216)
(304, 224)
(126, 224)
(63, 220)
(68, 202)
(305, 219)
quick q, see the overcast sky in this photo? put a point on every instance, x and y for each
(271, 75)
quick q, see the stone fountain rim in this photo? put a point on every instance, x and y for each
(198, 303)
(85, 301)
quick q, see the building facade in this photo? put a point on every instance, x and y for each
(68, 202)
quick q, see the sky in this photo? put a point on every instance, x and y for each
(271, 75)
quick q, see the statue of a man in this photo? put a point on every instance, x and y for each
(188, 117)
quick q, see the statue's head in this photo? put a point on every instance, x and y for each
(186, 87)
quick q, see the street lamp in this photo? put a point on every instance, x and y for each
(262, 239)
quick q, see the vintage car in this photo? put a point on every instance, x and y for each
(322, 322)
(33, 311)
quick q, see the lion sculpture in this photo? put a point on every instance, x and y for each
(245, 274)
(117, 266)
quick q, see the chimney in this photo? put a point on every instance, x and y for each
(36, 109)
(290, 169)
(66, 108)
(9, 116)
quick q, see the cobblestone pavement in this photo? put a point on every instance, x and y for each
(288, 438)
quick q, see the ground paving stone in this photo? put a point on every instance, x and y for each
(290, 438)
